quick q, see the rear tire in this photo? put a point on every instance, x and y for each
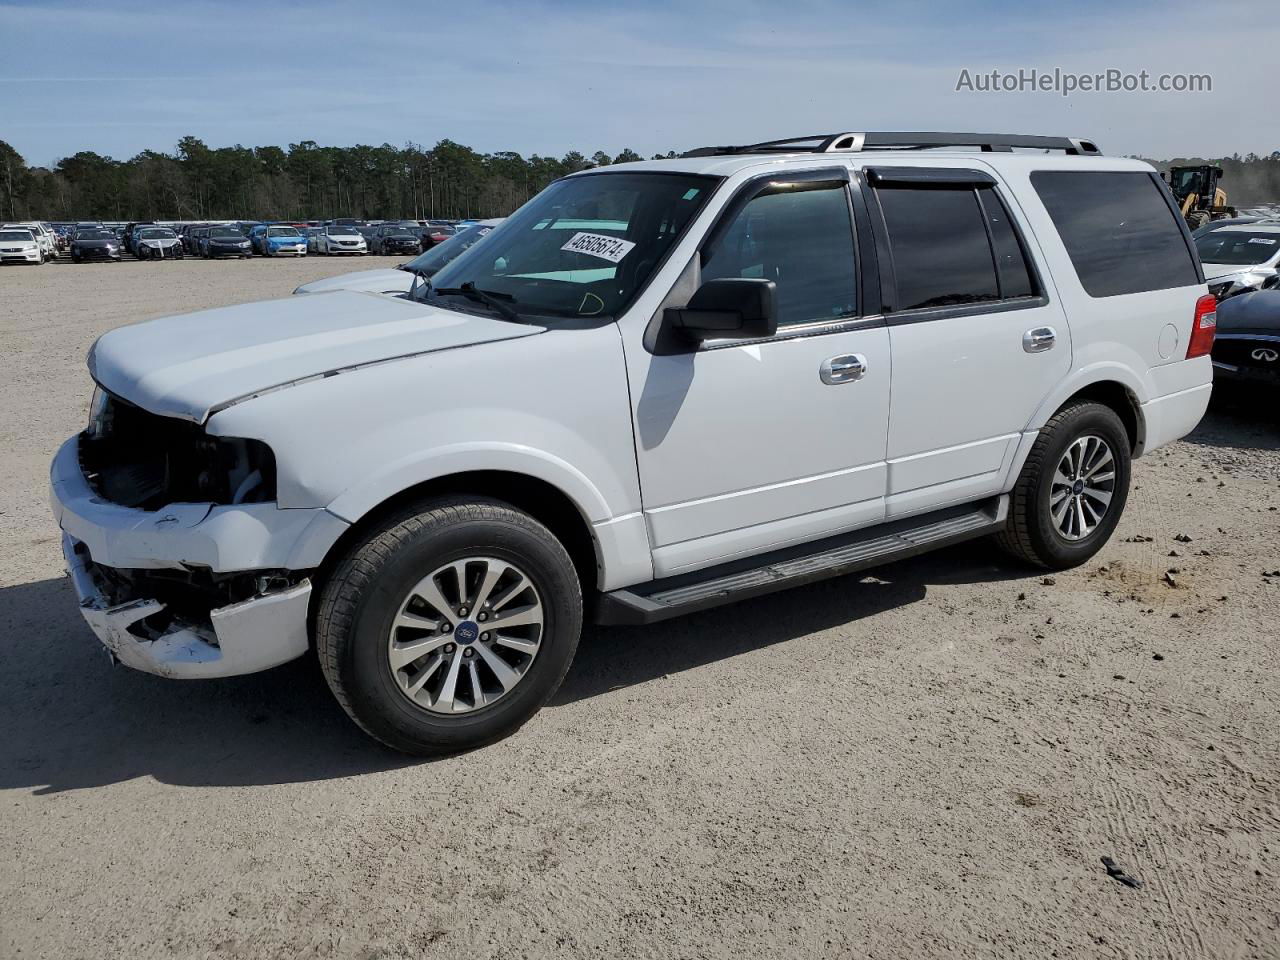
(1072, 489)
(390, 575)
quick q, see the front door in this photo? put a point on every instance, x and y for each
(745, 446)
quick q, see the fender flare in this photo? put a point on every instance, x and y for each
(373, 490)
(1085, 377)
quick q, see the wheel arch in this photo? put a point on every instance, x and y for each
(1113, 386)
(541, 499)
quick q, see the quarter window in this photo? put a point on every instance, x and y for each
(1120, 232)
(800, 236)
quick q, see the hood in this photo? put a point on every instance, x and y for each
(188, 366)
(374, 281)
(1216, 271)
(1257, 311)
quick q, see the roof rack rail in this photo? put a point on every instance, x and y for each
(856, 142)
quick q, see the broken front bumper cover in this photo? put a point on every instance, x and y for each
(244, 637)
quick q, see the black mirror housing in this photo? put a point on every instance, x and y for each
(731, 307)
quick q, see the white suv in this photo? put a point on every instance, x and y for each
(655, 388)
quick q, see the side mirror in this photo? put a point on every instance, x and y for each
(732, 307)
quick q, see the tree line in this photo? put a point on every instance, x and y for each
(304, 181)
(308, 181)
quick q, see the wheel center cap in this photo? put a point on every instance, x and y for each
(466, 632)
(1078, 487)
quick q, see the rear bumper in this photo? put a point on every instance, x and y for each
(1172, 417)
(245, 637)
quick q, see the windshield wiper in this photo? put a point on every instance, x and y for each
(499, 302)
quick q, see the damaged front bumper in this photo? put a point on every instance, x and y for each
(245, 637)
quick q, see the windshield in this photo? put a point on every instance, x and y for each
(1242, 248)
(399, 232)
(162, 233)
(226, 233)
(95, 235)
(348, 232)
(445, 252)
(283, 232)
(583, 247)
(16, 235)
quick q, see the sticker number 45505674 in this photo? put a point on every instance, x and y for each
(599, 245)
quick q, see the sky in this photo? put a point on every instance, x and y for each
(118, 77)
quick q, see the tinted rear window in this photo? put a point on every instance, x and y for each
(1118, 229)
(941, 256)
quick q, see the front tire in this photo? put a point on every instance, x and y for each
(1072, 489)
(409, 646)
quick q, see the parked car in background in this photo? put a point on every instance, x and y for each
(100, 244)
(128, 238)
(1213, 225)
(156, 243)
(190, 235)
(341, 238)
(19, 245)
(313, 235)
(435, 234)
(395, 240)
(270, 240)
(1240, 258)
(1247, 346)
(218, 242)
(399, 280)
(44, 236)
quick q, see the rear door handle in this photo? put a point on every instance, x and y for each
(843, 369)
(1039, 339)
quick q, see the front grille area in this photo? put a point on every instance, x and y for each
(137, 459)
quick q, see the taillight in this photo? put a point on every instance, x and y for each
(1203, 327)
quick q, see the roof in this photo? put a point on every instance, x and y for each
(727, 165)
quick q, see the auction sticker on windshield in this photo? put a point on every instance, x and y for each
(599, 245)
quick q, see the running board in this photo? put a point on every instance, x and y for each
(793, 566)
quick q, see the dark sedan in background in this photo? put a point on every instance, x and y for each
(395, 240)
(89, 244)
(224, 242)
(1247, 345)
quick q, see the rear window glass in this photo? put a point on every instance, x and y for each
(1118, 229)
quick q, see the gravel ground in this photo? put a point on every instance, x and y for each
(930, 761)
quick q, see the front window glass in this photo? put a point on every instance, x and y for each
(153, 233)
(583, 247)
(229, 233)
(16, 235)
(1243, 248)
(799, 235)
(95, 235)
(282, 232)
(347, 232)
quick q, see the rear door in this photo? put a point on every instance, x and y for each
(977, 343)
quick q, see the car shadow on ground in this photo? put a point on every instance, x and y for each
(1241, 417)
(72, 721)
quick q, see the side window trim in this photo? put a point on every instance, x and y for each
(864, 259)
(1037, 278)
(893, 316)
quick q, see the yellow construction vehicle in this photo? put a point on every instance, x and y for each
(1199, 197)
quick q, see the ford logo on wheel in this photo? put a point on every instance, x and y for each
(1266, 354)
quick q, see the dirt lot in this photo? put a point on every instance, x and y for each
(927, 762)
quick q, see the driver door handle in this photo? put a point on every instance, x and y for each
(843, 369)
